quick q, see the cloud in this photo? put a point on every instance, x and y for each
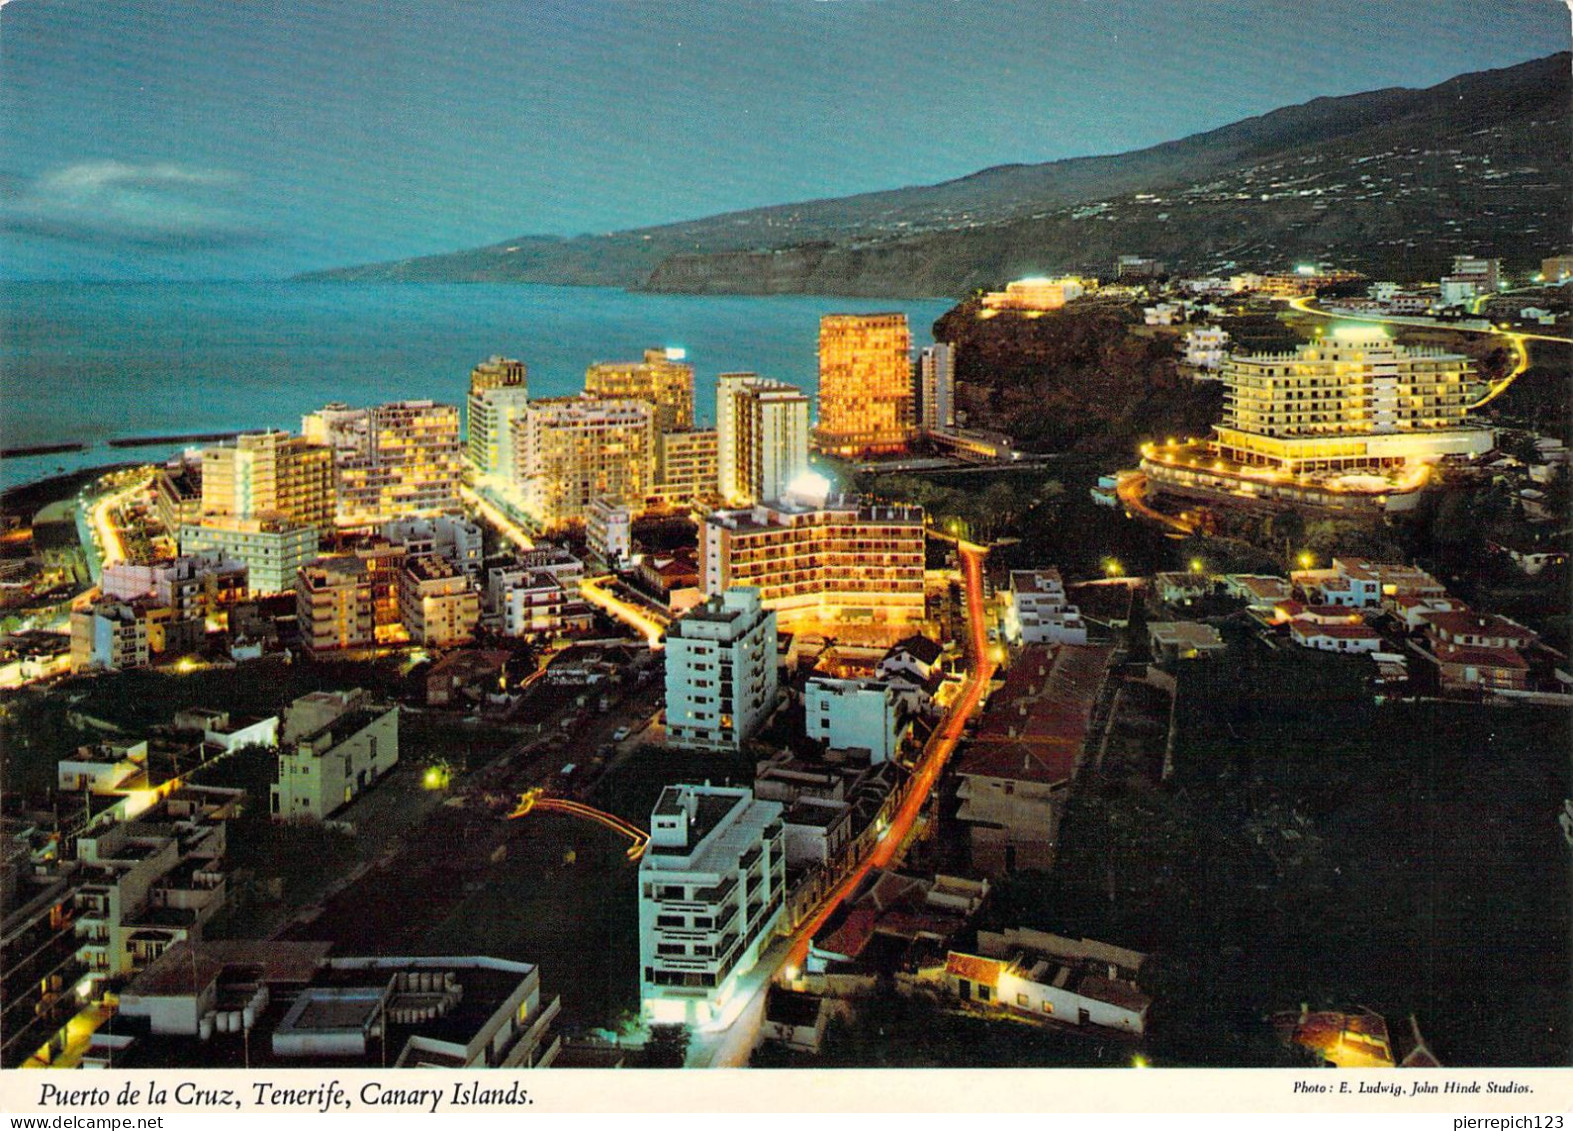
(154, 206)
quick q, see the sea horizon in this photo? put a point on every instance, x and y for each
(174, 358)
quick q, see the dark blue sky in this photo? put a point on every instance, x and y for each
(241, 138)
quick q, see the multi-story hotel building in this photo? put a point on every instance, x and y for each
(334, 605)
(865, 384)
(272, 549)
(571, 451)
(391, 461)
(1353, 400)
(608, 532)
(438, 603)
(269, 474)
(843, 562)
(498, 393)
(721, 679)
(685, 469)
(1036, 293)
(663, 380)
(762, 437)
(937, 387)
(712, 886)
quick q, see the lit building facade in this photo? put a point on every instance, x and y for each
(1037, 294)
(853, 715)
(1353, 400)
(762, 437)
(334, 605)
(272, 549)
(865, 385)
(109, 635)
(712, 886)
(685, 469)
(571, 451)
(391, 461)
(334, 746)
(662, 380)
(498, 393)
(721, 678)
(937, 385)
(842, 562)
(1037, 611)
(609, 532)
(438, 603)
(269, 474)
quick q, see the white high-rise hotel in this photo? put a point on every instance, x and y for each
(763, 437)
(712, 886)
(720, 671)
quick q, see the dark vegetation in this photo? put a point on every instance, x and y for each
(1315, 847)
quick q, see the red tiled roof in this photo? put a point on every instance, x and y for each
(1482, 657)
(1478, 624)
(1305, 628)
(984, 971)
(852, 936)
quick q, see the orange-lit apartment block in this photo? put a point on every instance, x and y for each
(865, 385)
(662, 380)
(838, 564)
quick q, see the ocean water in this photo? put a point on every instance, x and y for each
(94, 362)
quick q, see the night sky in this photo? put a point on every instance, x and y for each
(239, 139)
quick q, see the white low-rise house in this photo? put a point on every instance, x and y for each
(916, 654)
(334, 746)
(721, 677)
(1205, 349)
(1046, 977)
(853, 715)
(1037, 611)
(1334, 637)
(712, 887)
(229, 733)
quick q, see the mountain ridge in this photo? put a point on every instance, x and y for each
(1194, 201)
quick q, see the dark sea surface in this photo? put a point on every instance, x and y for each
(100, 361)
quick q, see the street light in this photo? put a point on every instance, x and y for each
(1307, 560)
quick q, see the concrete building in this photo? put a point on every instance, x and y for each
(865, 385)
(269, 475)
(334, 745)
(1037, 611)
(499, 390)
(177, 493)
(842, 562)
(454, 539)
(534, 602)
(853, 715)
(712, 886)
(438, 604)
(1036, 294)
(1349, 401)
(193, 585)
(571, 451)
(334, 605)
(272, 549)
(937, 387)
(721, 677)
(1183, 640)
(282, 1005)
(663, 380)
(1036, 976)
(762, 437)
(143, 885)
(608, 532)
(391, 461)
(109, 635)
(686, 470)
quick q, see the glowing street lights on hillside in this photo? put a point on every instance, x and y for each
(1307, 559)
(1112, 568)
(1196, 565)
